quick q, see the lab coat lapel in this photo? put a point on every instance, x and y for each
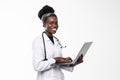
(49, 43)
(54, 48)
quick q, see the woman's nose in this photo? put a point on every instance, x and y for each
(55, 25)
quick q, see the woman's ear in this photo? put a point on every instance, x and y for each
(43, 25)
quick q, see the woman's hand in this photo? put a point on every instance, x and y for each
(80, 60)
(62, 60)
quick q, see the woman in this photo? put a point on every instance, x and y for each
(47, 52)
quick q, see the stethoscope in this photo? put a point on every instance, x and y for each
(45, 46)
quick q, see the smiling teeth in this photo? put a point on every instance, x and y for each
(54, 29)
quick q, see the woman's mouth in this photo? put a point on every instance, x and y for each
(54, 29)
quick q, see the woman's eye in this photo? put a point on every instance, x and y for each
(51, 23)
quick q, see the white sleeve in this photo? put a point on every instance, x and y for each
(38, 58)
(68, 68)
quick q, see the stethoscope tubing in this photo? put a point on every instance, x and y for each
(45, 46)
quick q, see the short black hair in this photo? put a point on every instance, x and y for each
(44, 10)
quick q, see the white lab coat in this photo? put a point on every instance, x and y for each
(48, 70)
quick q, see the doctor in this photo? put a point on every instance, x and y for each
(47, 49)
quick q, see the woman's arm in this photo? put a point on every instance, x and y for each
(38, 58)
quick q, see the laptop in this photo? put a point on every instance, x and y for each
(82, 51)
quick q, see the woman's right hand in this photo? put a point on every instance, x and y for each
(62, 60)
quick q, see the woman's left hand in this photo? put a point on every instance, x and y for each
(80, 60)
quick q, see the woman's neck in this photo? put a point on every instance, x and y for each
(48, 33)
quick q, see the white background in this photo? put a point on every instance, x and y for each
(79, 21)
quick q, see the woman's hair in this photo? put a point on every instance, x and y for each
(45, 12)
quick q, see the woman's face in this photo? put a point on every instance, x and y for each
(51, 24)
